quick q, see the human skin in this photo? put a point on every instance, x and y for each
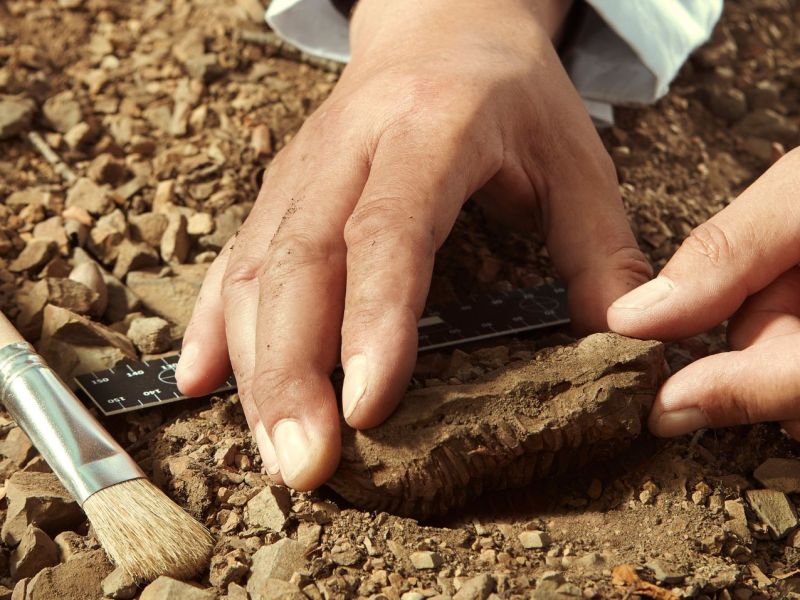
(442, 100)
(742, 265)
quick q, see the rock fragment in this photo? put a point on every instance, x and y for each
(166, 587)
(277, 589)
(149, 227)
(425, 559)
(276, 561)
(781, 474)
(769, 125)
(16, 113)
(119, 585)
(132, 256)
(175, 242)
(534, 539)
(17, 447)
(34, 256)
(171, 296)
(90, 275)
(476, 588)
(37, 499)
(728, 102)
(69, 545)
(106, 168)
(269, 508)
(200, 224)
(227, 569)
(53, 229)
(78, 578)
(150, 334)
(774, 509)
(34, 552)
(86, 194)
(62, 111)
(567, 406)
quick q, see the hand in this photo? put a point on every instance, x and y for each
(741, 264)
(441, 99)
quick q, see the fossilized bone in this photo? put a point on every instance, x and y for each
(446, 445)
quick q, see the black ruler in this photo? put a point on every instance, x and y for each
(136, 385)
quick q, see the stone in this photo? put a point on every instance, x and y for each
(175, 242)
(90, 275)
(276, 561)
(79, 135)
(170, 296)
(774, 509)
(132, 256)
(149, 227)
(203, 66)
(226, 224)
(728, 102)
(269, 508)
(119, 585)
(70, 545)
(276, 589)
(592, 560)
(476, 588)
(77, 579)
(107, 168)
(37, 499)
(72, 344)
(519, 418)
(34, 256)
(237, 592)
(534, 539)
(737, 523)
(150, 335)
(34, 552)
(769, 125)
(261, 140)
(166, 587)
(57, 291)
(164, 196)
(227, 569)
(780, 474)
(425, 559)
(200, 224)
(62, 111)
(17, 447)
(664, 574)
(53, 229)
(16, 113)
(86, 194)
(29, 196)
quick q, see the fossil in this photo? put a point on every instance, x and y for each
(446, 445)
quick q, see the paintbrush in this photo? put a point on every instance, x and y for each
(142, 530)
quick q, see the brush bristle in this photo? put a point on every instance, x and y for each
(147, 534)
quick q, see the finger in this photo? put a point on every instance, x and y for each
(733, 388)
(587, 232)
(297, 333)
(412, 197)
(204, 364)
(773, 311)
(733, 255)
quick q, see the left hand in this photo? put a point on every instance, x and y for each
(741, 264)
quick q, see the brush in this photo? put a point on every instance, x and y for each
(142, 530)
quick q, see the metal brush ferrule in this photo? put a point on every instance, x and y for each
(82, 454)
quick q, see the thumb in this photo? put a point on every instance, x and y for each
(732, 388)
(733, 255)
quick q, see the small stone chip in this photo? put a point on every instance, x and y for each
(269, 508)
(534, 539)
(277, 589)
(477, 588)
(774, 509)
(16, 113)
(132, 256)
(34, 256)
(425, 559)
(166, 587)
(119, 585)
(150, 335)
(276, 561)
(35, 552)
(780, 474)
(86, 194)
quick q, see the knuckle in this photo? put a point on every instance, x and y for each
(710, 242)
(290, 251)
(241, 270)
(631, 260)
(271, 385)
(387, 219)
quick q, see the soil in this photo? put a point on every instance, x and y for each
(167, 113)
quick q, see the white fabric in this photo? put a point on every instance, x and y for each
(626, 51)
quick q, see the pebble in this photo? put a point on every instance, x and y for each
(261, 140)
(107, 168)
(770, 125)
(34, 256)
(166, 587)
(774, 509)
(79, 135)
(37, 498)
(226, 224)
(780, 474)
(276, 561)
(170, 296)
(200, 224)
(34, 552)
(476, 588)
(62, 111)
(79, 578)
(664, 574)
(150, 335)
(227, 569)
(175, 243)
(86, 194)
(16, 113)
(269, 508)
(17, 447)
(276, 589)
(425, 559)
(90, 275)
(69, 545)
(728, 102)
(53, 229)
(534, 539)
(119, 585)
(133, 256)
(149, 227)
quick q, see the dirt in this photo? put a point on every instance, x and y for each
(155, 111)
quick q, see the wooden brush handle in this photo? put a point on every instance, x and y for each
(8, 333)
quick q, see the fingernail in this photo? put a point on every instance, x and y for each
(355, 383)
(646, 295)
(678, 422)
(292, 447)
(266, 449)
(189, 354)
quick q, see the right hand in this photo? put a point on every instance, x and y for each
(442, 98)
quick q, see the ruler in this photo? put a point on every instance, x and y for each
(142, 384)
